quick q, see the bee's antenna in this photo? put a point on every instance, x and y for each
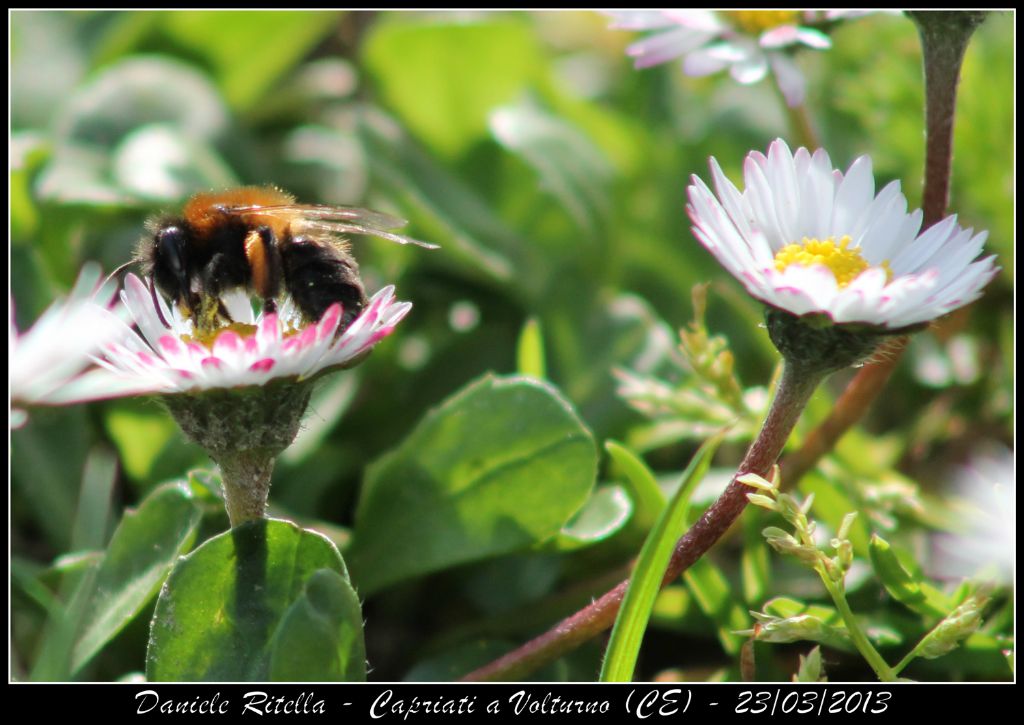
(120, 281)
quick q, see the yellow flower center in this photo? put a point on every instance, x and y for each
(208, 337)
(846, 264)
(756, 22)
(242, 329)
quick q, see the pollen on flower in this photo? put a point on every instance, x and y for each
(845, 263)
(756, 22)
(209, 337)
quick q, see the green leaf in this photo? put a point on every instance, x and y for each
(918, 596)
(249, 51)
(604, 514)
(91, 519)
(811, 668)
(451, 211)
(141, 435)
(567, 164)
(220, 607)
(530, 350)
(715, 597)
(631, 622)
(444, 79)
(47, 483)
(320, 637)
(67, 610)
(755, 563)
(648, 499)
(144, 547)
(589, 336)
(498, 467)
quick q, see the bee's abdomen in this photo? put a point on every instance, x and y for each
(318, 274)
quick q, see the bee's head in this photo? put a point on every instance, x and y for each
(169, 263)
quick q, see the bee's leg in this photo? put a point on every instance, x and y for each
(221, 273)
(156, 303)
(264, 265)
(222, 310)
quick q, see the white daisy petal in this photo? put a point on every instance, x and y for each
(812, 38)
(854, 193)
(704, 62)
(797, 208)
(52, 362)
(746, 43)
(750, 70)
(639, 19)
(664, 47)
(160, 360)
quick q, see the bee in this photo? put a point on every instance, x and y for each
(258, 238)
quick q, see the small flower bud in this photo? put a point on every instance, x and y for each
(765, 502)
(960, 624)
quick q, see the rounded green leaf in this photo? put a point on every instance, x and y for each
(320, 638)
(498, 467)
(141, 552)
(221, 605)
(603, 516)
(444, 78)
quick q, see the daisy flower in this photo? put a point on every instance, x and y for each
(47, 361)
(239, 391)
(746, 42)
(986, 542)
(807, 239)
(251, 352)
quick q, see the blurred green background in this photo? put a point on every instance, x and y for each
(553, 176)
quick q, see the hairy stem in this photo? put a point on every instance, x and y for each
(246, 479)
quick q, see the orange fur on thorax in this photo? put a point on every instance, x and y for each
(202, 213)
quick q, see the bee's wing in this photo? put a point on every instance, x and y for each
(337, 220)
(342, 227)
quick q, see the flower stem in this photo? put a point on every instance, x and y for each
(860, 640)
(795, 388)
(246, 479)
(801, 125)
(944, 39)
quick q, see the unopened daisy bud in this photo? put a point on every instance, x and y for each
(960, 624)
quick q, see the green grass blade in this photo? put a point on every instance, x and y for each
(630, 624)
(649, 501)
(530, 350)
